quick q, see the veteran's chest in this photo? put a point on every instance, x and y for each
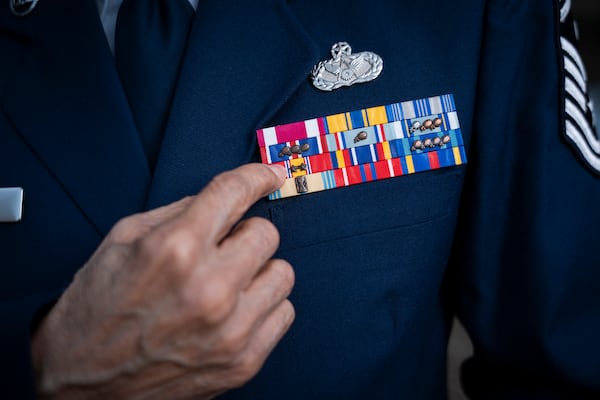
(424, 56)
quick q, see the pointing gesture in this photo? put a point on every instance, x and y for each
(182, 301)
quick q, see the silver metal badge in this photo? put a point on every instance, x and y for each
(345, 68)
(21, 8)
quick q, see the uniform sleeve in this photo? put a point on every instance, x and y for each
(19, 317)
(526, 262)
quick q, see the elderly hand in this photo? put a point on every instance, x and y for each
(182, 301)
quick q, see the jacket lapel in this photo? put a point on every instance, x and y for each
(241, 65)
(65, 100)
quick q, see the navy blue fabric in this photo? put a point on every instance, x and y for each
(150, 39)
(506, 242)
(528, 281)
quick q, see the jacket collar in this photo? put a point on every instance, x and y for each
(242, 63)
(64, 98)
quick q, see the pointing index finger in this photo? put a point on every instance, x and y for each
(230, 194)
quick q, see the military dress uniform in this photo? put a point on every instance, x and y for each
(506, 239)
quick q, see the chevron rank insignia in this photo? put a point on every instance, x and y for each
(364, 145)
(578, 117)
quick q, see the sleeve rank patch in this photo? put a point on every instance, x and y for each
(579, 125)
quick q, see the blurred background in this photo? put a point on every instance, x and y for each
(587, 15)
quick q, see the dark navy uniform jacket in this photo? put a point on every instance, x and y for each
(508, 242)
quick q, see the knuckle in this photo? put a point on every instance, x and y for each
(289, 312)
(173, 250)
(263, 234)
(125, 230)
(269, 232)
(283, 319)
(281, 276)
(178, 248)
(146, 249)
(286, 272)
(186, 201)
(233, 186)
(212, 301)
(244, 369)
(234, 341)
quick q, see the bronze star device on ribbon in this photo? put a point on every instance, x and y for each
(364, 145)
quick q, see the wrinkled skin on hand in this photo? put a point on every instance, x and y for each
(179, 302)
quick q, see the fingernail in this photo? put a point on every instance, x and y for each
(278, 170)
